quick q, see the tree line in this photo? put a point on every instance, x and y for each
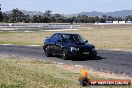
(17, 15)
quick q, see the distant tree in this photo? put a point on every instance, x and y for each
(110, 18)
(128, 18)
(58, 18)
(34, 19)
(1, 16)
(71, 20)
(17, 15)
(120, 19)
(39, 19)
(104, 16)
(82, 19)
(92, 20)
(47, 13)
(102, 20)
(74, 19)
(26, 19)
(96, 19)
(5, 17)
(46, 19)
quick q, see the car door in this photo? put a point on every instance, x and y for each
(58, 44)
(52, 43)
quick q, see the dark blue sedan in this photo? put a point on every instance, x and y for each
(68, 46)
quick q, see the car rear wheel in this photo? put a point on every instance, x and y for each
(47, 53)
(64, 54)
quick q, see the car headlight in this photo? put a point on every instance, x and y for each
(74, 49)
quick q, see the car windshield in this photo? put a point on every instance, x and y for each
(72, 38)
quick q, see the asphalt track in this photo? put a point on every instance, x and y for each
(118, 62)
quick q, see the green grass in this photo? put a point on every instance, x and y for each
(18, 73)
(27, 73)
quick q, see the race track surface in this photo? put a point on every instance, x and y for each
(119, 62)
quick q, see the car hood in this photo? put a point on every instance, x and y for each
(85, 45)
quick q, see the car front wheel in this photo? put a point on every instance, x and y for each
(64, 54)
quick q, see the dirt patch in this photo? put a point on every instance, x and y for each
(102, 74)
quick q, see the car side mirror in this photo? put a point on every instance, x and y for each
(86, 41)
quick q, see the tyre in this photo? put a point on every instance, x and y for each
(47, 53)
(64, 54)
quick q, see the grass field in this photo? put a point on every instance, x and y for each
(27, 73)
(18, 73)
(104, 39)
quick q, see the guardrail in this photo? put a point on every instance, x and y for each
(41, 25)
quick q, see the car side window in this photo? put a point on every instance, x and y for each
(67, 38)
(54, 37)
(59, 37)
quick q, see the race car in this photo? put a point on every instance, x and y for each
(68, 46)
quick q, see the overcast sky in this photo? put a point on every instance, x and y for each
(67, 6)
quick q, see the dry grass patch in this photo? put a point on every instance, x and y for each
(103, 39)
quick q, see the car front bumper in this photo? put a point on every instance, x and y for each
(82, 54)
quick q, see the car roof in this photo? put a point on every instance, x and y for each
(66, 33)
